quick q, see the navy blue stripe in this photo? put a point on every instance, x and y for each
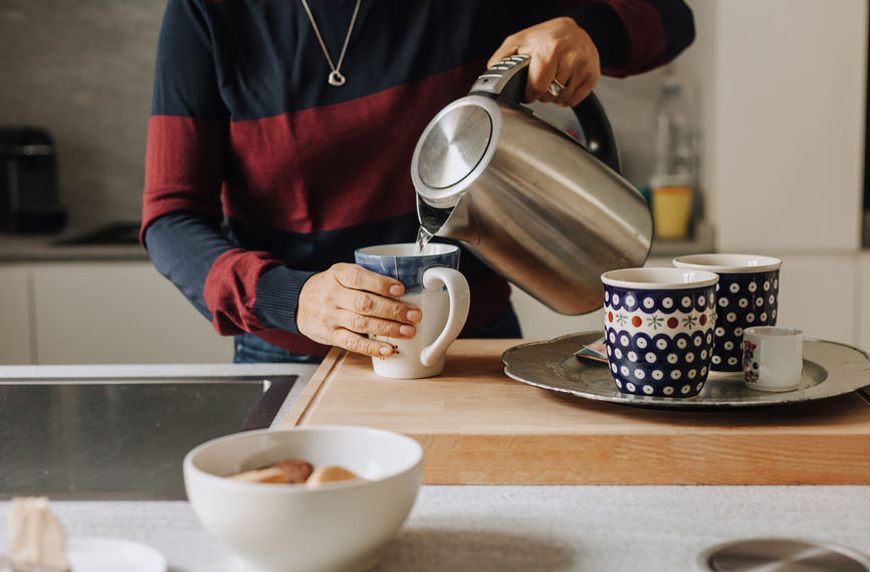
(183, 248)
(268, 61)
(606, 29)
(184, 79)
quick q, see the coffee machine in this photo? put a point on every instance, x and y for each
(29, 201)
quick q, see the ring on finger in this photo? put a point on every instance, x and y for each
(555, 88)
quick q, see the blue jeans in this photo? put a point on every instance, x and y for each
(251, 349)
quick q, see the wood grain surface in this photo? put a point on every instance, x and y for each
(479, 427)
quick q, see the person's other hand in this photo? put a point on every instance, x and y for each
(342, 305)
(560, 50)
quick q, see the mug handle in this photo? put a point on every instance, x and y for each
(460, 300)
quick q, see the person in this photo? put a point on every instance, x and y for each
(281, 138)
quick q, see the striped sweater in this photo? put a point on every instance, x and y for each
(259, 173)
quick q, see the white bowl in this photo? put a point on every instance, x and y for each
(340, 527)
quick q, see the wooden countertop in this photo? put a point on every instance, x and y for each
(478, 426)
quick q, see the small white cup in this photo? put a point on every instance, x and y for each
(772, 358)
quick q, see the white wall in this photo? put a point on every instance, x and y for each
(789, 123)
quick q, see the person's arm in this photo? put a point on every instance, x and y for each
(616, 37)
(237, 290)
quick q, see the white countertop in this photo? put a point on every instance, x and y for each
(502, 529)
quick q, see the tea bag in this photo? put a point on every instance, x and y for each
(595, 351)
(35, 535)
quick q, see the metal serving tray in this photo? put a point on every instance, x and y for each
(830, 369)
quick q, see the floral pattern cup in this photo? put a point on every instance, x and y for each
(658, 327)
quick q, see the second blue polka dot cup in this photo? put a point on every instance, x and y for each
(747, 296)
(658, 329)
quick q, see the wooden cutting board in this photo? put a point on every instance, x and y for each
(479, 427)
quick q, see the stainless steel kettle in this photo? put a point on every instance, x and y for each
(542, 210)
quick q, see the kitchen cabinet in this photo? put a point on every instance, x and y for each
(819, 295)
(118, 312)
(786, 143)
(15, 316)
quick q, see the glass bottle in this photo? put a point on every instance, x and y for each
(674, 176)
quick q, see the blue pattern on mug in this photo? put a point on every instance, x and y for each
(745, 300)
(402, 262)
(659, 342)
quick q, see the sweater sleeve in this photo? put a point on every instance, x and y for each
(634, 36)
(237, 290)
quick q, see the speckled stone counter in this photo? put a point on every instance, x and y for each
(484, 529)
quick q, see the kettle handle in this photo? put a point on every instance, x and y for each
(506, 81)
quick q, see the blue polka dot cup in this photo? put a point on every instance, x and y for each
(747, 296)
(658, 329)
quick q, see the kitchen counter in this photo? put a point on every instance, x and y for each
(484, 529)
(49, 248)
(499, 528)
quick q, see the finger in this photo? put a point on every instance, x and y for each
(362, 345)
(542, 70)
(368, 304)
(582, 83)
(580, 92)
(368, 325)
(567, 96)
(507, 48)
(358, 278)
(566, 76)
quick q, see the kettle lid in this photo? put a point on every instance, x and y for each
(452, 146)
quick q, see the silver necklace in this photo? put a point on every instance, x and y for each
(335, 76)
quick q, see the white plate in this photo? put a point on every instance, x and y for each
(113, 555)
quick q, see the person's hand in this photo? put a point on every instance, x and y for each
(342, 305)
(560, 50)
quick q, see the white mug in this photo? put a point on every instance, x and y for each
(772, 358)
(432, 284)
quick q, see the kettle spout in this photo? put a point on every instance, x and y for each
(431, 219)
(450, 222)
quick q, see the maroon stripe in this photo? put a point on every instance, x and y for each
(336, 166)
(647, 44)
(230, 290)
(183, 167)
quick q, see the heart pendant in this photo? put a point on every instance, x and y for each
(336, 79)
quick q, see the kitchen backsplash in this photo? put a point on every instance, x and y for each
(84, 71)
